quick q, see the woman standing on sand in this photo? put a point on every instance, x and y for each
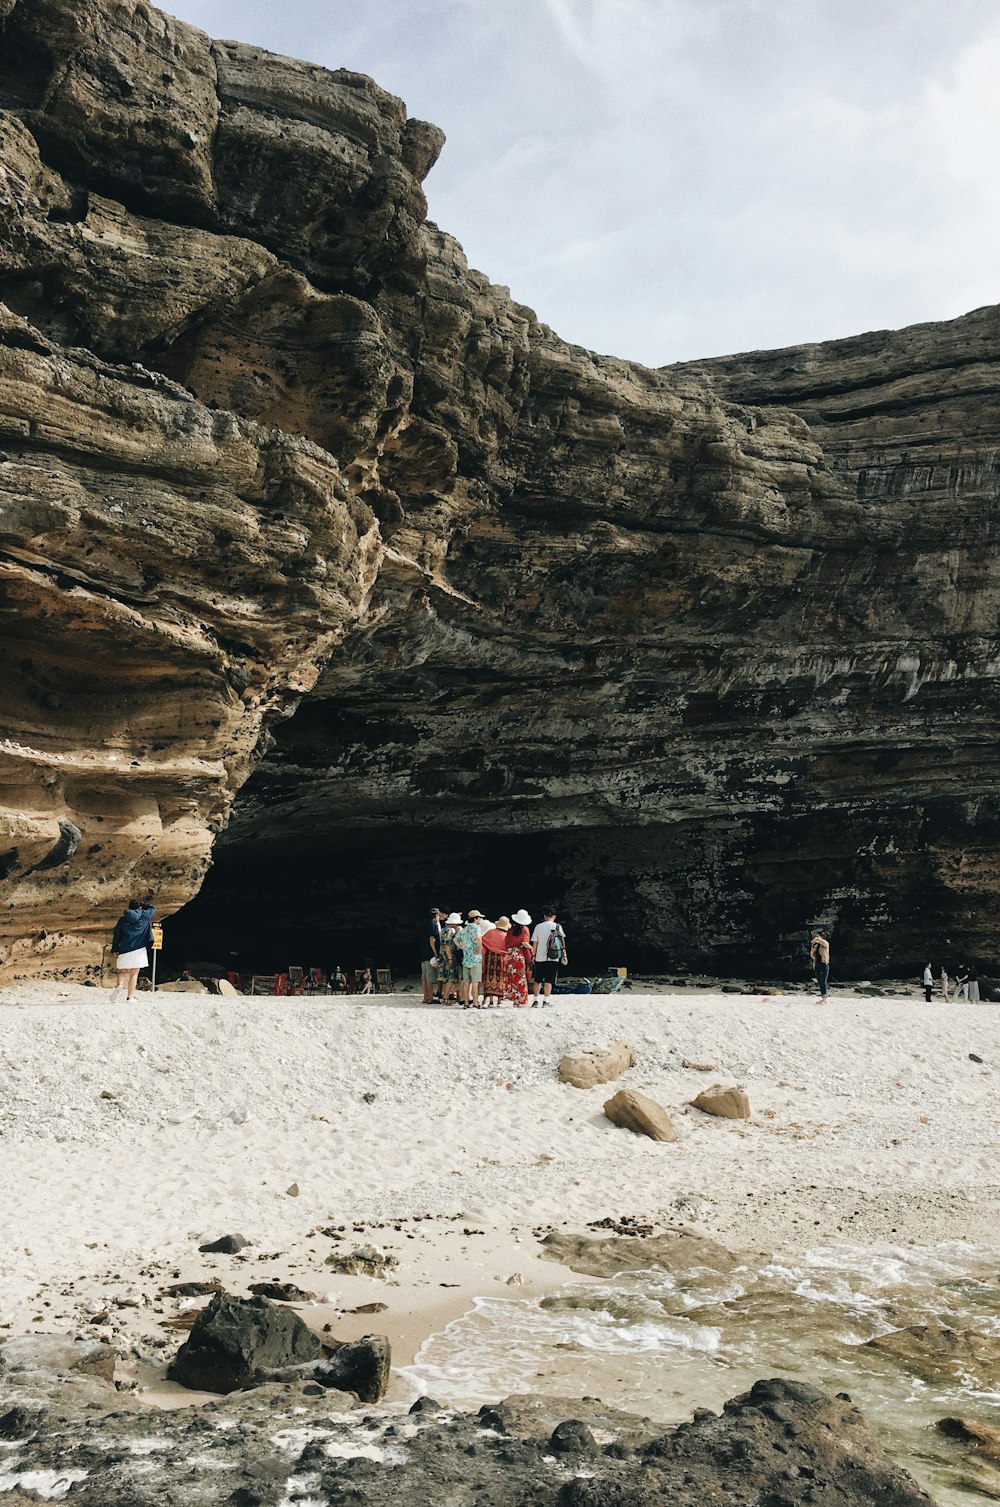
(448, 967)
(517, 960)
(944, 984)
(494, 962)
(132, 935)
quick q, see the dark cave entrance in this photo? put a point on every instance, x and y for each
(363, 899)
(370, 808)
(733, 899)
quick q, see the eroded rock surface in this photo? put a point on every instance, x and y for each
(781, 1442)
(675, 1250)
(287, 488)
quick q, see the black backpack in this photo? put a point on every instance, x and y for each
(555, 947)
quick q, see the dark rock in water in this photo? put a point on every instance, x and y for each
(573, 1438)
(226, 1245)
(939, 1353)
(426, 1405)
(237, 1342)
(359, 1366)
(985, 1437)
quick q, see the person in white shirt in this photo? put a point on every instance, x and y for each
(928, 982)
(548, 950)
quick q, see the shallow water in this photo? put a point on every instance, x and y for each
(660, 1344)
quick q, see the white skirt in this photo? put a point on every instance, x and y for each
(135, 959)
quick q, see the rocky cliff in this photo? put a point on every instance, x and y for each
(312, 537)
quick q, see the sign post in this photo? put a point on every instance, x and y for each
(157, 945)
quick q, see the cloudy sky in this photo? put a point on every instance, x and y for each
(668, 179)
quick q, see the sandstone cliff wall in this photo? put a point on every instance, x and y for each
(286, 488)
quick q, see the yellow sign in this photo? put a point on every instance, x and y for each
(157, 938)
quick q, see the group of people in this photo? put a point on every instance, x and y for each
(965, 982)
(479, 964)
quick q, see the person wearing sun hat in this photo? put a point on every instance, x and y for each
(494, 962)
(450, 966)
(470, 945)
(518, 960)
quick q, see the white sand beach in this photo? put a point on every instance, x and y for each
(133, 1133)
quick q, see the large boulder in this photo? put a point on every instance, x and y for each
(596, 1065)
(728, 1103)
(638, 1112)
(358, 1366)
(238, 1342)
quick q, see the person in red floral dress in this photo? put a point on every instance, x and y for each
(518, 961)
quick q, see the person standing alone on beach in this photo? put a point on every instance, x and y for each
(132, 935)
(819, 956)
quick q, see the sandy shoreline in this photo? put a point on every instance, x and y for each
(132, 1134)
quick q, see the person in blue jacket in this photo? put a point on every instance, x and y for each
(133, 934)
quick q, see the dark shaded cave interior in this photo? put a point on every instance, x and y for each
(311, 872)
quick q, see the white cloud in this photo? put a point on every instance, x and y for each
(672, 178)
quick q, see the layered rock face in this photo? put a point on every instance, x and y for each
(287, 489)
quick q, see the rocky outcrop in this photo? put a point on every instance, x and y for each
(289, 491)
(781, 1442)
(937, 1353)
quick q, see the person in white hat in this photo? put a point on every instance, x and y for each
(470, 944)
(518, 960)
(450, 966)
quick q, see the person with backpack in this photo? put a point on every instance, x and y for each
(548, 948)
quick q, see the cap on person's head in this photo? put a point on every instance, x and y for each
(474, 915)
(454, 919)
(436, 910)
(521, 917)
(503, 924)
